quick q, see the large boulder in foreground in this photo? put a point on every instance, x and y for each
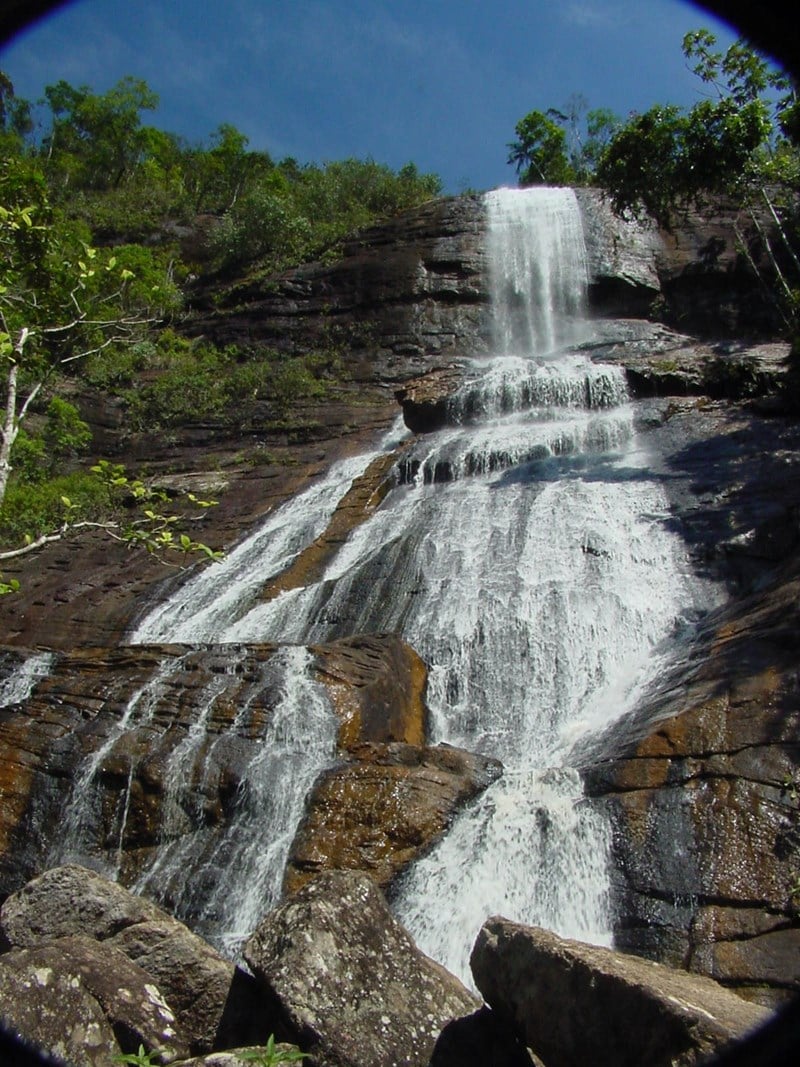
(351, 981)
(85, 1002)
(575, 1004)
(215, 1003)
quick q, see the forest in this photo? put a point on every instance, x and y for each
(110, 228)
(105, 224)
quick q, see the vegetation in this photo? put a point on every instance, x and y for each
(91, 201)
(741, 140)
(272, 1054)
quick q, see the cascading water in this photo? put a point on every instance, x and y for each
(236, 879)
(19, 682)
(223, 880)
(523, 554)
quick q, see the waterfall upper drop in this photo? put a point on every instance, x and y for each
(523, 553)
(537, 270)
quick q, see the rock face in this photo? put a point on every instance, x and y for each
(161, 740)
(376, 814)
(121, 755)
(704, 796)
(576, 1004)
(324, 955)
(405, 294)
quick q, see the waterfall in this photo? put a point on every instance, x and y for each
(524, 553)
(19, 683)
(282, 736)
(236, 878)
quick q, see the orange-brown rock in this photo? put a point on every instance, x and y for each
(355, 507)
(164, 739)
(377, 685)
(705, 799)
(380, 812)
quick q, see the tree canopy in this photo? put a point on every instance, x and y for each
(93, 202)
(741, 139)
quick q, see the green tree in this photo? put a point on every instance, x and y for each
(96, 139)
(215, 177)
(540, 152)
(741, 143)
(16, 122)
(668, 158)
(60, 298)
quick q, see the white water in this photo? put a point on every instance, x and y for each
(202, 606)
(78, 840)
(223, 881)
(235, 879)
(526, 558)
(20, 682)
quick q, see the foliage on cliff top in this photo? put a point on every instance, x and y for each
(742, 140)
(102, 219)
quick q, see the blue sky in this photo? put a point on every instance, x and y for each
(439, 82)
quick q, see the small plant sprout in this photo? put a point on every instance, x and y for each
(271, 1055)
(140, 1058)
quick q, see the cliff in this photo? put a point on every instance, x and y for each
(710, 762)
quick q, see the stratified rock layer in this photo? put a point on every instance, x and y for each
(704, 795)
(108, 732)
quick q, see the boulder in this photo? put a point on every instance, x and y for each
(215, 1003)
(33, 984)
(45, 1010)
(376, 684)
(380, 812)
(350, 980)
(574, 1003)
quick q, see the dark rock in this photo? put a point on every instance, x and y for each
(622, 258)
(575, 1004)
(129, 1000)
(215, 1003)
(349, 978)
(405, 294)
(702, 784)
(49, 1009)
(378, 814)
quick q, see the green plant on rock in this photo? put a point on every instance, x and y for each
(271, 1054)
(105, 499)
(140, 1058)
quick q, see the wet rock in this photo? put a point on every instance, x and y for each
(622, 258)
(377, 686)
(575, 1004)
(130, 710)
(425, 400)
(702, 784)
(215, 1003)
(350, 980)
(379, 813)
